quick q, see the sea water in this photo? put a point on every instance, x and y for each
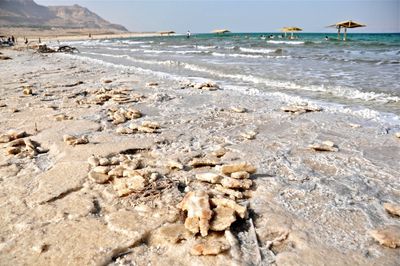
(360, 73)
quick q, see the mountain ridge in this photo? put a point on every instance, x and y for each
(26, 13)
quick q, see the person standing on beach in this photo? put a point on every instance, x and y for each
(188, 34)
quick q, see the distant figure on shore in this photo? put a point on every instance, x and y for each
(40, 41)
(90, 35)
(26, 41)
(188, 34)
(13, 39)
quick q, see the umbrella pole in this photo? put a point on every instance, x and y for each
(345, 34)
(338, 33)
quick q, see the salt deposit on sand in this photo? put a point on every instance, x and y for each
(164, 176)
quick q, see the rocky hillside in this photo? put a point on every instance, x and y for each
(28, 13)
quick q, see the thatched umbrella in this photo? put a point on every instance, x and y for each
(346, 24)
(220, 31)
(291, 30)
(167, 32)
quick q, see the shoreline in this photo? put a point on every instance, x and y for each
(69, 34)
(315, 207)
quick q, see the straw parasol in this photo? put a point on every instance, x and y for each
(167, 32)
(291, 30)
(222, 31)
(346, 24)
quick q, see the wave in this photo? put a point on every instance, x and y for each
(118, 49)
(205, 47)
(134, 69)
(258, 51)
(337, 91)
(136, 60)
(180, 46)
(236, 55)
(330, 107)
(286, 42)
(173, 52)
(360, 112)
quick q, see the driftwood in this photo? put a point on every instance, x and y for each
(67, 49)
(45, 49)
(4, 57)
(62, 49)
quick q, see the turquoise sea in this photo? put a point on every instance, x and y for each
(362, 73)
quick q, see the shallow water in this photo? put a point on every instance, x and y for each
(363, 72)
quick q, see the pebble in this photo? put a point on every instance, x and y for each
(93, 161)
(151, 84)
(214, 247)
(222, 219)
(27, 91)
(104, 161)
(125, 186)
(196, 203)
(388, 236)
(249, 135)
(239, 109)
(236, 183)
(98, 177)
(393, 209)
(238, 167)
(200, 162)
(234, 194)
(72, 140)
(240, 175)
(324, 146)
(174, 165)
(209, 177)
(101, 169)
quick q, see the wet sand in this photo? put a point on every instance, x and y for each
(305, 207)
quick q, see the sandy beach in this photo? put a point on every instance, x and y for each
(53, 35)
(325, 192)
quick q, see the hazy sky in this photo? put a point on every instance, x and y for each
(243, 16)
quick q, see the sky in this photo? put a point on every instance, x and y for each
(242, 15)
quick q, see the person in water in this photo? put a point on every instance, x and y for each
(326, 38)
(188, 34)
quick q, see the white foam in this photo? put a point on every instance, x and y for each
(134, 69)
(344, 92)
(131, 42)
(257, 51)
(205, 47)
(236, 55)
(136, 60)
(172, 52)
(360, 112)
(179, 46)
(364, 113)
(286, 42)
